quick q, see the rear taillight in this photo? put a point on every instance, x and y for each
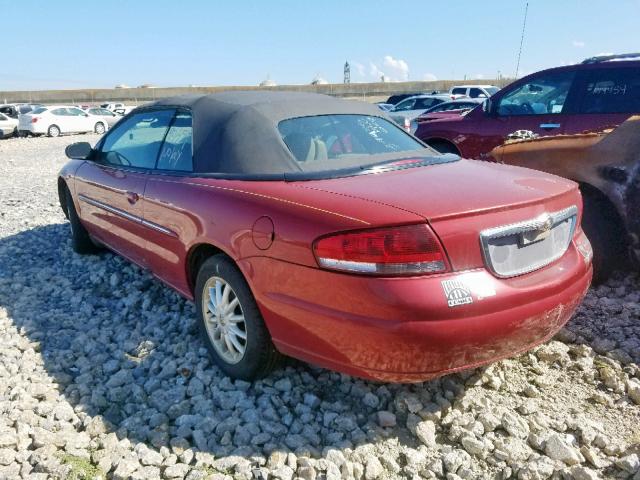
(405, 250)
(34, 119)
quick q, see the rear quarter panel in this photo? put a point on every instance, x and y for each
(222, 213)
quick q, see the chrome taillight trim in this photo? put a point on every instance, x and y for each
(413, 268)
(547, 219)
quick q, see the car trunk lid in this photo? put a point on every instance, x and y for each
(462, 199)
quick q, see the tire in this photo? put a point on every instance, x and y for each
(80, 240)
(443, 146)
(99, 128)
(260, 356)
(15, 132)
(606, 236)
(53, 131)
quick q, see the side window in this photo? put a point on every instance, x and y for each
(476, 92)
(76, 112)
(543, 95)
(136, 141)
(459, 91)
(611, 90)
(2, 117)
(59, 111)
(404, 105)
(425, 103)
(177, 153)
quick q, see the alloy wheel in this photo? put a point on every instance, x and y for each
(224, 320)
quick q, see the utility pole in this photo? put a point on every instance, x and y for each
(524, 24)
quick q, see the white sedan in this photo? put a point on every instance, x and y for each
(8, 126)
(54, 120)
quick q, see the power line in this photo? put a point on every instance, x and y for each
(524, 24)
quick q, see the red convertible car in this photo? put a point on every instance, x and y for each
(317, 228)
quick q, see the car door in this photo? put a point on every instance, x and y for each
(540, 105)
(606, 97)
(80, 121)
(111, 186)
(170, 225)
(60, 117)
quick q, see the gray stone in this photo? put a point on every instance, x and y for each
(629, 463)
(179, 470)
(557, 448)
(579, 472)
(426, 433)
(7, 456)
(473, 446)
(373, 468)
(386, 419)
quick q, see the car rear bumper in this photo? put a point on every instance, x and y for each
(403, 329)
(33, 128)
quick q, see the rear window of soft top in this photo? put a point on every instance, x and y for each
(327, 140)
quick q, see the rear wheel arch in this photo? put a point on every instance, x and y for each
(197, 255)
(62, 196)
(605, 229)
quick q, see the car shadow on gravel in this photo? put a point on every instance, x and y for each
(123, 350)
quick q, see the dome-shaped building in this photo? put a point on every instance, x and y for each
(319, 81)
(267, 82)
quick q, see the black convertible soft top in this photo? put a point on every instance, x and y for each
(236, 132)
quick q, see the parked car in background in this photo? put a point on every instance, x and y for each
(112, 106)
(14, 110)
(123, 110)
(434, 264)
(409, 108)
(446, 110)
(473, 91)
(107, 116)
(397, 98)
(592, 95)
(8, 126)
(607, 167)
(54, 120)
(385, 107)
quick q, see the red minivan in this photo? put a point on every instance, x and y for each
(599, 92)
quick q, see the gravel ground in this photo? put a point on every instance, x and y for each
(102, 375)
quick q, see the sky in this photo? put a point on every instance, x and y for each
(70, 44)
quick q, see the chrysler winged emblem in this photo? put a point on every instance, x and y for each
(540, 231)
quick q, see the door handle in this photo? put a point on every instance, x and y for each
(549, 126)
(132, 197)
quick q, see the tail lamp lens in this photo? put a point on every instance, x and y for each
(407, 125)
(34, 119)
(405, 250)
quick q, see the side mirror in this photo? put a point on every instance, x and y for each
(78, 151)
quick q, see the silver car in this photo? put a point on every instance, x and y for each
(108, 116)
(409, 108)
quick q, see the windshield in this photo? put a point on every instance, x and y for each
(492, 90)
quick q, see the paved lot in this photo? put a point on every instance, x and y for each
(102, 374)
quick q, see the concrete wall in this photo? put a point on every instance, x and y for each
(365, 91)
